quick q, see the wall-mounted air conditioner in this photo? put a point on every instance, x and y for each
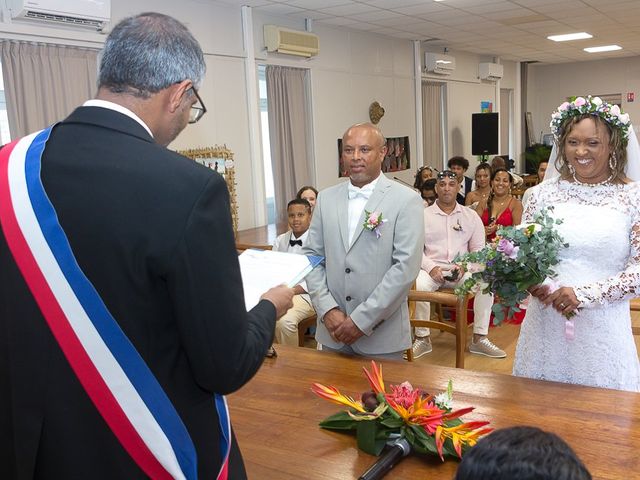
(440, 64)
(292, 42)
(490, 71)
(92, 14)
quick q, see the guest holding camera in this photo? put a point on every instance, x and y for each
(451, 229)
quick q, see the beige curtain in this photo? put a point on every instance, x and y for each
(44, 83)
(432, 124)
(288, 113)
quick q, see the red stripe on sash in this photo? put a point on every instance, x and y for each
(80, 362)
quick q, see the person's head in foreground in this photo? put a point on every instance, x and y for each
(591, 137)
(521, 453)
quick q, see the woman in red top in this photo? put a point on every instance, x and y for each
(501, 208)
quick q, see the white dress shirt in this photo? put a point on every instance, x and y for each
(118, 108)
(357, 204)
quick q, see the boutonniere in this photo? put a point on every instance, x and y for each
(457, 227)
(373, 222)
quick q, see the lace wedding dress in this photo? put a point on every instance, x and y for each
(601, 224)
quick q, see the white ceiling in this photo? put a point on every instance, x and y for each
(510, 29)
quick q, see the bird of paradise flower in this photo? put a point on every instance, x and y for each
(428, 423)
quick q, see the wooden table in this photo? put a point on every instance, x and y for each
(276, 417)
(260, 237)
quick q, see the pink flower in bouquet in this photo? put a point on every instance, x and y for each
(404, 394)
(508, 248)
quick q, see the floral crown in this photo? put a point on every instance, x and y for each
(594, 106)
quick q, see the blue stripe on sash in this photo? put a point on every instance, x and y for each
(125, 353)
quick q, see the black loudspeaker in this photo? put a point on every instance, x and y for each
(484, 133)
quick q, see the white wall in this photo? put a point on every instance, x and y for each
(465, 91)
(550, 85)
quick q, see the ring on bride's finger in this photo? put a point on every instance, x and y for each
(562, 305)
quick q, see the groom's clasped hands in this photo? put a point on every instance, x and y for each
(341, 326)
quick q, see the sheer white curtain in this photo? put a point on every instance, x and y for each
(432, 124)
(287, 96)
(44, 83)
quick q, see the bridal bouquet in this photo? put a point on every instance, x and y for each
(427, 422)
(518, 258)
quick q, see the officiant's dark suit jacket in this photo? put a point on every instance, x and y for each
(152, 231)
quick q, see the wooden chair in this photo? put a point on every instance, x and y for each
(635, 307)
(303, 326)
(444, 297)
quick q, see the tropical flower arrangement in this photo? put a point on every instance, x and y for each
(594, 106)
(373, 222)
(518, 258)
(427, 422)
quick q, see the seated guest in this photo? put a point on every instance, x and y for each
(500, 163)
(522, 453)
(309, 194)
(459, 165)
(542, 169)
(299, 216)
(451, 229)
(501, 208)
(482, 186)
(428, 192)
(422, 175)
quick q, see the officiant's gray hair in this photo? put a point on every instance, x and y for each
(147, 53)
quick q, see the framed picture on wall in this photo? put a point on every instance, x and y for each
(397, 158)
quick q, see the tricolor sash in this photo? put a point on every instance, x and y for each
(110, 369)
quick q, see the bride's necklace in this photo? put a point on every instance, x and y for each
(604, 182)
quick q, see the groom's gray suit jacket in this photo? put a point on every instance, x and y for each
(370, 278)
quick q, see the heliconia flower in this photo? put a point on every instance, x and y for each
(460, 435)
(423, 412)
(375, 378)
(333, 395)
(579, 102)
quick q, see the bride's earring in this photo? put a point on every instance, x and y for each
(613, 162)
(572, 170)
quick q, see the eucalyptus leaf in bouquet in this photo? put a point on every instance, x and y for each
(518, 258)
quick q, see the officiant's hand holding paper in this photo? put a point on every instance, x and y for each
(281, 297)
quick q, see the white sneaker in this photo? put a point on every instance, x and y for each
(421, 346)
(485, 347)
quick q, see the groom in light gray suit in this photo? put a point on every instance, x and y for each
(360, 293)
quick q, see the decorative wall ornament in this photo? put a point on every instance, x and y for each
(219, 159)
(376, 112)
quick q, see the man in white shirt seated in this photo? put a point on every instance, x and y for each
(451, 229)
(299, 216)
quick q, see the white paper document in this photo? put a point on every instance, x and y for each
(264, 269)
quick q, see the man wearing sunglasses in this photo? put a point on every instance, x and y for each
(451, 229)
(118, 346)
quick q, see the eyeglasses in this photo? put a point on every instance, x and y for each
(197, 109)
(446, 174)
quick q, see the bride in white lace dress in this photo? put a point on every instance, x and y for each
(600, 270)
